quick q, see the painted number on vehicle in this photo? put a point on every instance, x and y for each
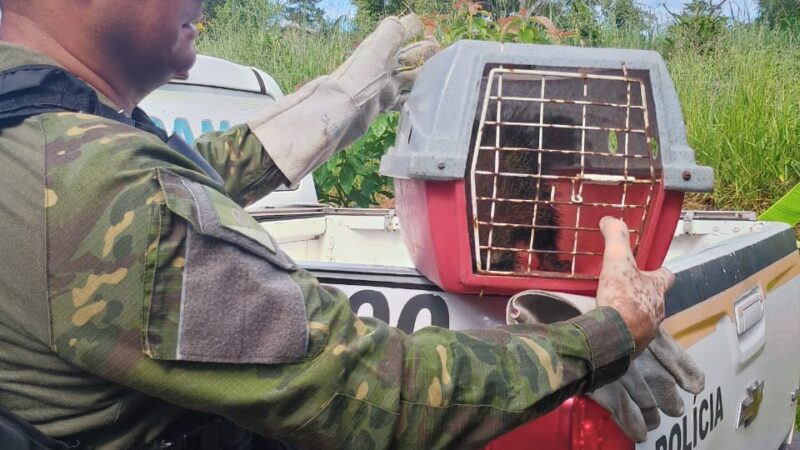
(410, 312)
(414, 309)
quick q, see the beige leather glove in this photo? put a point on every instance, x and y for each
(302, 130)
(652, 380)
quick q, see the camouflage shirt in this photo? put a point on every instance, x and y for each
(134, 288)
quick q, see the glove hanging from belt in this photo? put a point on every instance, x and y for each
(653, 377)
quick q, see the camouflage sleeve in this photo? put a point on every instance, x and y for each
(376, 387)
(166, 286)
(239, 157)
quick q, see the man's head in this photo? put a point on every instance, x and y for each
(152, 37)
(135, 46)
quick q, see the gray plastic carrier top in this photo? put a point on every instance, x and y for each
(606, 99)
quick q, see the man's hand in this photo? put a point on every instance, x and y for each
(637, 296)
(382, 68)
(303, 129)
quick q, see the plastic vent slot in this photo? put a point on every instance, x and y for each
(553, 151)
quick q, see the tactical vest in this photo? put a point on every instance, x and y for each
(27, 91)
(31, 90)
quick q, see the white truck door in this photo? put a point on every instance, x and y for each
(217, 95)
(735, 307)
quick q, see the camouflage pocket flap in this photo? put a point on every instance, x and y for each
(221, 289)
(214, 214)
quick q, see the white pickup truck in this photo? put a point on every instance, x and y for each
(735, 305)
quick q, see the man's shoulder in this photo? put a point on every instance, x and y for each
(70, 130)
(96, 151)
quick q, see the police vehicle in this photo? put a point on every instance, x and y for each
(738, 282)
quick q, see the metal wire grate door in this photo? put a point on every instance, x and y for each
(555, 150)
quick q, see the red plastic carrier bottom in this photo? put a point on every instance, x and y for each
(578, 424)
(434, 217)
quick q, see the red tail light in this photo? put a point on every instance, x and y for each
(578, 424)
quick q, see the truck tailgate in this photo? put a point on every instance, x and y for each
(734, 307)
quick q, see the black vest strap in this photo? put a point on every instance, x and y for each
(27, 91)
(17, 434)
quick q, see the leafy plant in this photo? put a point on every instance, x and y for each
(697, 27)
(350, 177)
(469, 20)
(786, 210)
(779, 12)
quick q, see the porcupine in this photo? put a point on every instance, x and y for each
(547, 221)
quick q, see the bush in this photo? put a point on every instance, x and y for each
(779, 12)
(351, 178)
(697, 28)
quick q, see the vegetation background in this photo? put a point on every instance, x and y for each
(739, 83)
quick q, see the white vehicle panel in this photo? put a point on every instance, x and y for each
(704, 425)
(215, 72)
(224, 95)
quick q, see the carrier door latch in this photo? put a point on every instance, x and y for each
(749, 406)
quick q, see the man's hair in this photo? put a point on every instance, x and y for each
(16, 5)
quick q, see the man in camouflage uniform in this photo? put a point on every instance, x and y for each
(134, 288)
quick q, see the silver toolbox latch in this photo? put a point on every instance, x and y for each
(749, 310)
(749, 406)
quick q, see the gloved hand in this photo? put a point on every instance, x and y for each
(303, 129)
(652, 378)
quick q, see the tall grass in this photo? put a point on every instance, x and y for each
(249, 32)
(741, 100)
(742, 108)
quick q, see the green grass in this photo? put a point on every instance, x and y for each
(246, 32)
(742, 108)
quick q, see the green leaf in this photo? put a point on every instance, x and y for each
(612, 142)
(786, 210)
(354, 159)
(527, 36)
(346, 179)
(322, 175)
(379, 126)
(360, 199)
(654, 147)
(370, 184)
